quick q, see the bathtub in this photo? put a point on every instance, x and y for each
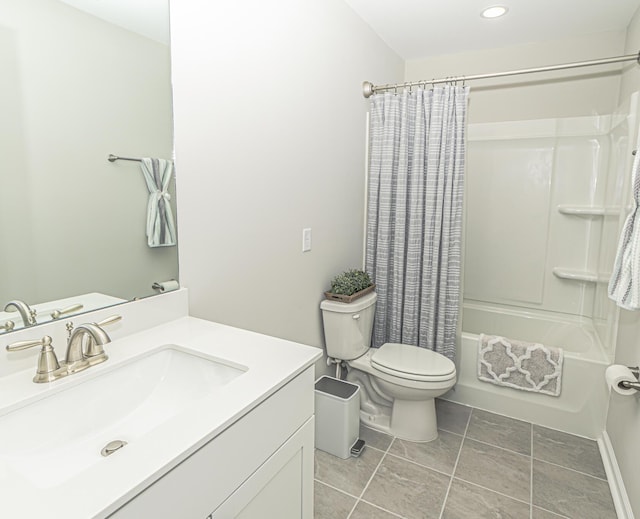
(581, 407)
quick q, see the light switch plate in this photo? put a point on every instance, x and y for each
(306, 239)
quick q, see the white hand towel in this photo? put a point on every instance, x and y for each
(161, 231)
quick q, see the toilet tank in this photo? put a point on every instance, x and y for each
(348, 326)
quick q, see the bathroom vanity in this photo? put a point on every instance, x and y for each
(214, 422)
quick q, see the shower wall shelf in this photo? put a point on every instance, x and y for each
(580, 275)
(588, 210)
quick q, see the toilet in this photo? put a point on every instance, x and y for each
(398, 382)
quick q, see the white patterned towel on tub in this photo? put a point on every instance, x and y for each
(521, 365)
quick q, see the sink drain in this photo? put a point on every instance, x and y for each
(112, 447)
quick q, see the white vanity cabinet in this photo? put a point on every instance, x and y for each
(260, 466)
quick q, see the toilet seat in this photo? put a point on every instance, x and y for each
(412, 363)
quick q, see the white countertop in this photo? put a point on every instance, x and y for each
(108, 484)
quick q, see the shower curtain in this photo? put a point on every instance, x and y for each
(414, 216)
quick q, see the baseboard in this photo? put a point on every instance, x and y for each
(614, 477)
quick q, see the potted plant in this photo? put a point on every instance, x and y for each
(350, 285)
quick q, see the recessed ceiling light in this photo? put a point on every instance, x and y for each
(494, 11)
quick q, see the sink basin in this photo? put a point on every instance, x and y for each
(59, 436)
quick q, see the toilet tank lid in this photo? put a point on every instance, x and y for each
(345, 308)
(412, 360)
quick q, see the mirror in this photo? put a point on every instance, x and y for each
(81, 79)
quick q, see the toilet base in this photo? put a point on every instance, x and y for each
(407, 421)
(414, 420)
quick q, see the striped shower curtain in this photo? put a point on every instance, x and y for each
(414, 217)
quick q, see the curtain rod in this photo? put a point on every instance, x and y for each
(368, 88)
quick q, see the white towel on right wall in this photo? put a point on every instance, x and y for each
(624, 285)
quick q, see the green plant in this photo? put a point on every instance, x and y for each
(350, 282)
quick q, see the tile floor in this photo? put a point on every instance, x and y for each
(482, 465)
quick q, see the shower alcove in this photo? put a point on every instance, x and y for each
(545, 202)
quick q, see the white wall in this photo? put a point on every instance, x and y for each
(270, 139)
(74, 89)
(623, 420)
(589, 91)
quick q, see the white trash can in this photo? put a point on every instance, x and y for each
(337, 415)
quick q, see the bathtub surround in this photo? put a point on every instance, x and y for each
(564, 215)
(414, 218)
(564, 207)
(520, 365)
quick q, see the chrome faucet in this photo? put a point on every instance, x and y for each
(84, 350)
(28, 315)
(85, 346)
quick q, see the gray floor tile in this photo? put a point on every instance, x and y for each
(496, 469)
(539, 513)
(570, 493)
(501, 431)
(367, 511)
(567, 450)
(375, 439)
(407, 489)
(466, 500)
(439, 454)
(350, 475)
(492, 478)
(452, 417)
(329, 503)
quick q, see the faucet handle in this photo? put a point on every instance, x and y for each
(23, 345)
(48, 367)
(56, 314)
(8, 326)
(110, 320)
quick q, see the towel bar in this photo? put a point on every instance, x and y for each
(113, 158)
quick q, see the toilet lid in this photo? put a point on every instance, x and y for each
(411, 360)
